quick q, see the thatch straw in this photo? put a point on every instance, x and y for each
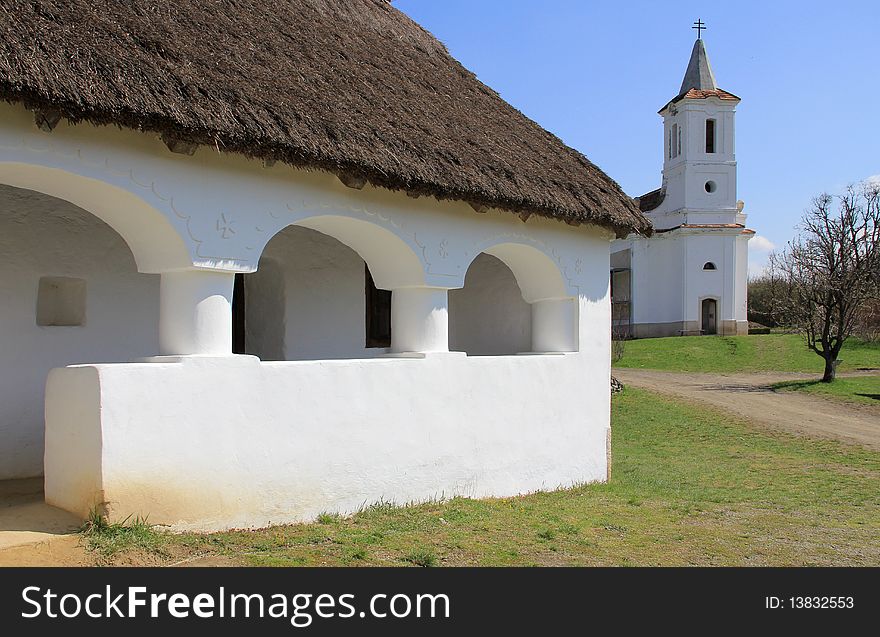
(353, 87)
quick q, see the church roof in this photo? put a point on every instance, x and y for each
(651, 200)
(709, 226)
(699, 72)
(699, 80)
(353, 87)
(697, 94)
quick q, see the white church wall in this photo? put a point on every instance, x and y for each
(41, 236)
(700, 283)
(489, 315)
(657, 286)
(726, 283)
(741, 285)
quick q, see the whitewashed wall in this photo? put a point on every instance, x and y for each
(319, 436)
(657, 284)
(43, 236)
(266, 311)
(216, 440)
(718, 284)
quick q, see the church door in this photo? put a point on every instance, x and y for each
(709, 311)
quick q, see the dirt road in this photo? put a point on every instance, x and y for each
(750, 395)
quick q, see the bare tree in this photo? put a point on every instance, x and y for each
(830, 270)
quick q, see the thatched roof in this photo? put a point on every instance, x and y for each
(353, 87)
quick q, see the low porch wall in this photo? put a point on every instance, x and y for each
(231, 442)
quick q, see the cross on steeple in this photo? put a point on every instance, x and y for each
(699, 25)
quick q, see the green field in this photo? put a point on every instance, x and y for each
(689, 486)
(755, 353)
(860, 389)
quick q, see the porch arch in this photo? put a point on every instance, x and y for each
(536, 273)
(553, 310)
(153, 241)
(392, 262)
(312, 293)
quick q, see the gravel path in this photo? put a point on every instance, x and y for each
(749, 395)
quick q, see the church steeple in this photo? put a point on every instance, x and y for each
(699, 72)
(699, 168)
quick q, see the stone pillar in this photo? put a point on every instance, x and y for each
(419, 320)
(195, 313)
(554, 325)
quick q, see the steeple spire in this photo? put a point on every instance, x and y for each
(699, 72)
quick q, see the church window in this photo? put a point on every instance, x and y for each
(675, 142)
(710, 186)
(709, 266)
(378, 313)
(710, 135)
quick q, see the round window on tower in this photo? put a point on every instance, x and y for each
(711, 186)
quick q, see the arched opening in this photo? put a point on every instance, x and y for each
(314, 296)
(150, 237)
(514, 300)
(489, 316)
(708, 265)
(71, 293)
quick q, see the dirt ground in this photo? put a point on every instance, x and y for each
(751, 396)
(64, 550)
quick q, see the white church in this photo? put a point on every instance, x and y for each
(691, 276)
(289, 258)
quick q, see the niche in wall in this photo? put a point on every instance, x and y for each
(61, 301)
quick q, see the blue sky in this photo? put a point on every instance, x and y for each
(595, 74)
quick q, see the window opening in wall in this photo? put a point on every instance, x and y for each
(238, 316)
(709, 266)
(61, 301)
(378, 313)
(710, 135)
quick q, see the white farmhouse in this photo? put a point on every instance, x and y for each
(690, 276)
(263, 260)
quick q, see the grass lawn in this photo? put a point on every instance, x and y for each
(689, 486)
(860, 389)
(754, 353)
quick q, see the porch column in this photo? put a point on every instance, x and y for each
(195, 313)
(419, 320)
(554, 323)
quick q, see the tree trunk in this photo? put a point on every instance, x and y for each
(830, 370)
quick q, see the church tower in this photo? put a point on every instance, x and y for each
(690, 277)
(699, 161)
